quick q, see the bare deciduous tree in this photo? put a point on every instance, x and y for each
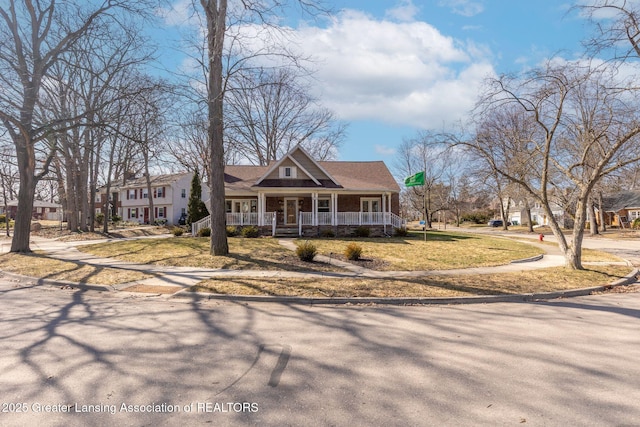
(34, 36)
(585, 127)
(216, 30)
(268, 112)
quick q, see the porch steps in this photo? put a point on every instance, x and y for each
(287, 232)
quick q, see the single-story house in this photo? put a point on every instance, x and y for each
(298, 195)
(621, 209)
(41, 210)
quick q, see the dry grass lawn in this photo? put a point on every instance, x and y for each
(441, 251)
(547, 280)
(245, 254)
(36, 265)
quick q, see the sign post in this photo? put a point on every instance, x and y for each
(415, 181)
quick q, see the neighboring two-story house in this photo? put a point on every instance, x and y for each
(170, 194)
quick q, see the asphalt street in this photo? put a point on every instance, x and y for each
(116, 359)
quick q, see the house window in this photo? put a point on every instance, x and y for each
(184, 193)
(288, 172)
(370, 205)
(145, 194)
(183, 211)
(241, 206)
(132, 194)
(52, 210)
(324, 205)
(158, 192)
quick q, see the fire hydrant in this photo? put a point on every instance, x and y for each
(541, 237)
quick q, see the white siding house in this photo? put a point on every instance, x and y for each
(170, 195)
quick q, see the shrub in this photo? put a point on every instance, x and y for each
(400, 232)
(327, 233)
(3, 219)
(178, 231)
(250, 231)
(476, 217)
(232, 231)
(162, 221)
(116, 219)
(204, 232)
(362, 231)
(353, 251)
(636, 223)
(306, 251)
(99, 218)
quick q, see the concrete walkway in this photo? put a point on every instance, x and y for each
(185, 277)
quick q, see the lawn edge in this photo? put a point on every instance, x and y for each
(483, 299)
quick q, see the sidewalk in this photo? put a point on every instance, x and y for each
(180, 278)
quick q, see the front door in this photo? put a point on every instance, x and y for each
(146, 215)
(291, 211)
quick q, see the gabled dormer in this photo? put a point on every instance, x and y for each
(297, 169)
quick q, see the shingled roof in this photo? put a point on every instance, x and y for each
(622, 200)
(353, 176)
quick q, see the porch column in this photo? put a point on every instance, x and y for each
(384, 212)
(334, 209)
(314, 207)
(261, 206)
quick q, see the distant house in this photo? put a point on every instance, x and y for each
(298, 195)
(130, 200)
(621, 209)
(41, 210)
(518, 213)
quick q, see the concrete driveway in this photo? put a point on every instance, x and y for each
(113, 359)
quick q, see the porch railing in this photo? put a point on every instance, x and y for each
(239, 219)
(306, 218)
(354, 218)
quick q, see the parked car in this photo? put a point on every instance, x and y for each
(496, 223)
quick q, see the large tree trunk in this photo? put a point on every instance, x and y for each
(26, 194)
(575, 261)
(216, 16)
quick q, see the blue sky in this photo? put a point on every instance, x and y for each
(390, 68)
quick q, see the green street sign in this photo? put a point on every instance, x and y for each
(415, 180)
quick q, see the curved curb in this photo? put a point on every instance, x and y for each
(531, 297)
(530, 259)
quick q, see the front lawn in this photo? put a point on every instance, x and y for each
(38, 265)
(245, 254)
(535, 281)
(441, 251)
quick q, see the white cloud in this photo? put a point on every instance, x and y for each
(406, 11)
(404, 73)
(384, 150)
(463, 7)
(178, 13)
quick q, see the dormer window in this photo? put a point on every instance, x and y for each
(288, 172)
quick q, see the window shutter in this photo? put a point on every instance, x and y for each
(163, 192)
(127, 194)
